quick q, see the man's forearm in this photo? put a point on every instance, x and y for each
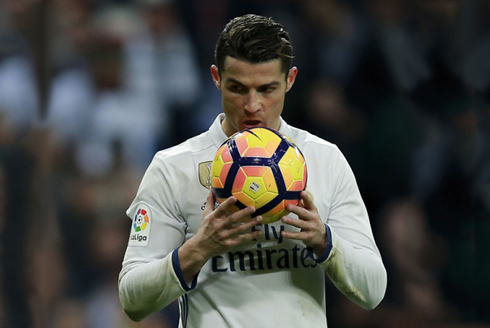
(149, 287)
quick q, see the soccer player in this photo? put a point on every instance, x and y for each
(230, 270)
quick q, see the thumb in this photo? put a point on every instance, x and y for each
(210, 200)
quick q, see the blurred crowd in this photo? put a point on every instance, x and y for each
(91, 89)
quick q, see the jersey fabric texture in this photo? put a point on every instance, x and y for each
(269, 282)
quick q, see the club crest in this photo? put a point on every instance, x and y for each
(205, 174)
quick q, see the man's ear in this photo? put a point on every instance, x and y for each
(215, 76)
(293, 71)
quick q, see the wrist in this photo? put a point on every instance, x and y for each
(320, 249)
(321, 253)
(187, 281)
(191, 259)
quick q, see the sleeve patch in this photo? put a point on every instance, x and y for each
(141, 226)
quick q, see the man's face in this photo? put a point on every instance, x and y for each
(252, 94)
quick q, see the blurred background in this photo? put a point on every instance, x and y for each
(91, 89)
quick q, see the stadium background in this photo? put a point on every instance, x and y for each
(90, 89)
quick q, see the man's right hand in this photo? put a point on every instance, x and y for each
(220, 231)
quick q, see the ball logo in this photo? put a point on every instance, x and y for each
(254, 186)
(141, 220)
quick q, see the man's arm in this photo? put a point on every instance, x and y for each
(145, 288)
(345, 247)
(148, 280)
(149, 287)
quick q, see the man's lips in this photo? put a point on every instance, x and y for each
(252, 124)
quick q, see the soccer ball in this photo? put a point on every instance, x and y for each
(262, 168)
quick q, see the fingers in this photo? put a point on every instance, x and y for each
(307, 200)
(223, 211)
(299, 235)
(225, 207)
(308, 222)
(311, 232)
(239, 233)
(241, 215)
(230, 228)
(243, 238)
(301, 224)
(306, 210)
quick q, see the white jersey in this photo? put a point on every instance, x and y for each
(270, 282)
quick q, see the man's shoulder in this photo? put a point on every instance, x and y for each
(187, 150)
(304, 138)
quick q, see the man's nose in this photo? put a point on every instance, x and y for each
(252, 102)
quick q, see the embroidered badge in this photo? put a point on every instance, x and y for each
(205, 174)
(140, 229)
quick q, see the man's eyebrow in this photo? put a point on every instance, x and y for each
(232, 80)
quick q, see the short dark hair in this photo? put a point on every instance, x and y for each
(255, 39)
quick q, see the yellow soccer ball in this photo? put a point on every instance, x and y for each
(262, 168)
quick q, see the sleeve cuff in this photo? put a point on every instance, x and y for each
(180, 274)
(326, 253)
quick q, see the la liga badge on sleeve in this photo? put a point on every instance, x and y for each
(141, 226)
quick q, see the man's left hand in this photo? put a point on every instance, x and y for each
(312, 229)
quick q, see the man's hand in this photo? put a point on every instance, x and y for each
(220, 231)
(312, 229)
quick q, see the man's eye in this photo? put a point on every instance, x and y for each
(267, 89)
(236, 88)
